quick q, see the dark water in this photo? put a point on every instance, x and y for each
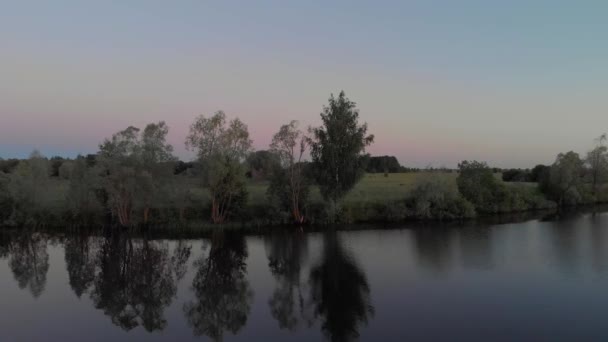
(527, 281)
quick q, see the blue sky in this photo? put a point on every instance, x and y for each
(510, 82)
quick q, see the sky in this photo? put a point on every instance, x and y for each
(512, 83)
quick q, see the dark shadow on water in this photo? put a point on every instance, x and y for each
(286, 250)
(81, 253)
(135, 282)
(222, 295)
(339, 292)
(29, 261)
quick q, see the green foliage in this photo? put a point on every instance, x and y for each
(517, 175)
(290, 185)
(262, 164)
(280, 194)
(28, 185)
(382, 164)
(477, 184)
(7, 166)
(337, 147)
(437, 198)
(135, 166)
(564, 182)
(81, 196)
(65, 170)
(539, 172)
(221, 149)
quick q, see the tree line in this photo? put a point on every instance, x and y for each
(131, 173)
(132, 179)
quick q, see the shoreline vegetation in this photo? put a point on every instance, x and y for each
(314, 177)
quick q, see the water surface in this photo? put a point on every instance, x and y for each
(536, 280)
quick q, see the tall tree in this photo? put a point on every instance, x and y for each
(156, 155)
(133, 163)
(289, 144)
(337, 147)
(221, 149)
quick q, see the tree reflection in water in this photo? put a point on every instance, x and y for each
(340, 294)
(29, 261)
(179, 260)
(286, 252)
(80, 258)
(5, 244)
(135, 282)
(222, 293)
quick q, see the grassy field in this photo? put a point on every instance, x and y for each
(372, 188)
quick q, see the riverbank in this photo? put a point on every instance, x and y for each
(379, 199)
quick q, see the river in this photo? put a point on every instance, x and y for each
(526, 281)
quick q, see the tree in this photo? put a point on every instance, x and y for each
(221, 149)
(28, 185)
(65, 170)
(538, 172)
(289, 183)
(157, 157)
(133, 164)
(262, 164)
(55, 165)
(337, 147)
(597, 160)
(517, 175)
(81, 195)
(476, 183)
(564, 183)
(383, 164)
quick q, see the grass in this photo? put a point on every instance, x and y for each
(373, 188)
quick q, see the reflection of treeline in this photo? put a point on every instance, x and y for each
(135, 179)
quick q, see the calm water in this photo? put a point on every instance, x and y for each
(527, 281)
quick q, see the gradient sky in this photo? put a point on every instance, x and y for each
(509, 82)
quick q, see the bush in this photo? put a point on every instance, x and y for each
(477, 184)
(563, 182)
(522, 197)
(438, 199)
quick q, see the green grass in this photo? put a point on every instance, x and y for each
(372, 188)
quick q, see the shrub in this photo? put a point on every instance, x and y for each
(477, 184)
(438, 199)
